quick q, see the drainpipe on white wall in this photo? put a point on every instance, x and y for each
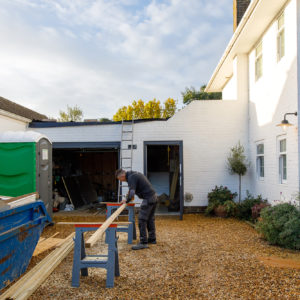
(241, 69)
(298, 84)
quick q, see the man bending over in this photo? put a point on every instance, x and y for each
(139, 184)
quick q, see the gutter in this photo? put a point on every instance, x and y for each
(14, 116)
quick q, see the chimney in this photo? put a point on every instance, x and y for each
(239, 8)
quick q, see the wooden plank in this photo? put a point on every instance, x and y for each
(67, 191)
(99, 232)
(27, 285)
(90, 223)
(9, 203)
(41, 239)
(8, 199)
(174, 183)
(46, 245)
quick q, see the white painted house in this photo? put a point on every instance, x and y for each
(258, 75)
(15, 117)
(260, 68)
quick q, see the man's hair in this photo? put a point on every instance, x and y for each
(119, 172)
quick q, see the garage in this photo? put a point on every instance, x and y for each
(84, 172)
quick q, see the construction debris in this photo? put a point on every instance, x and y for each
(24, 287)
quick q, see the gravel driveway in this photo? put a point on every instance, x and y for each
(197, 258)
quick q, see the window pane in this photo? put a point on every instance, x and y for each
(258, 67)
(284, 167)
(281, 21)
(261, 166)
(282, 145)
(260, 149)
(280, 44)
(258, 49)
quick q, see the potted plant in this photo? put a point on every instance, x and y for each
(220, 202)
(238, 164)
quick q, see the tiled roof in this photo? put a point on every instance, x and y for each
(20, 110)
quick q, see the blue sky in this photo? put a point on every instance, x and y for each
(103, 54)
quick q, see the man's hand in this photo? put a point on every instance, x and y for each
(123, 201)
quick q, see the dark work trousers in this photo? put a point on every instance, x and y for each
(147, 220)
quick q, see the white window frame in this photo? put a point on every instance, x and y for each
(282, 159)
(280, 37)
(260, 161)
(258, 61)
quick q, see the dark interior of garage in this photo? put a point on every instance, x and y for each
(84, 176)
(163, 173)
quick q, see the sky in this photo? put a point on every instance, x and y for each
(103, 54)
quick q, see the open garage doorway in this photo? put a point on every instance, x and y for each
(84, 173)
(163, 165)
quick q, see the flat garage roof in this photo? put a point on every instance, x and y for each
(86, 145)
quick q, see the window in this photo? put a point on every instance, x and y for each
(260, 161)
(282, 161)
(280, 37)
(258, 61)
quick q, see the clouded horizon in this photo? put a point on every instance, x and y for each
(103, 54)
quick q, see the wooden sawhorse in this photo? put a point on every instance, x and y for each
(109, 261)
(130, 229)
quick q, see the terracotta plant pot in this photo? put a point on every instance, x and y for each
(220, 211)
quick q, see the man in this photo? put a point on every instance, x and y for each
(139, 184)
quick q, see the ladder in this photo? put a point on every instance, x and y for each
(126, 152)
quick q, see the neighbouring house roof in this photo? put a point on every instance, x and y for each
(20, 110)
(259, 15)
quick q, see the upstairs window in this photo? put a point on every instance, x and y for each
(260, 161)
(282, 161)
(258, 61)
(280, 37)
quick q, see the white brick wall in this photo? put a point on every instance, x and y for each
(208, 130)
(11, 124)
(274, 94)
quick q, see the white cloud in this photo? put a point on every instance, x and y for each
(102, 54)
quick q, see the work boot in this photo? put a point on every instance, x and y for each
(139, 246)
(152, 242)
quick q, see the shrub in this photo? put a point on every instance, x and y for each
(218, 196)
(256, 209)
(280, 225)
(230, 207)
(244, 209)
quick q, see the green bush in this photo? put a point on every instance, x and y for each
(280, 225)
(230, 207)
(244, 209)
(219, 196)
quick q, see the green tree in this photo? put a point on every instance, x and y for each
(237, 163)
(104, 120)
(74, 114)
(191, 94)
(170, 108)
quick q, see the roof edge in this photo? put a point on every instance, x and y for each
(232, 42)
(46, 124)
(14, 116)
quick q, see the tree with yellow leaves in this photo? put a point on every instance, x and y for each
(170, 108)
(151, 110)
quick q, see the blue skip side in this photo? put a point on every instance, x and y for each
(20, 230)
